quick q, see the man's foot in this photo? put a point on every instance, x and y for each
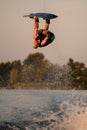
(36, 19)
(47, 21)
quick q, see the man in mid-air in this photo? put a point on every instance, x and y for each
(42, 37)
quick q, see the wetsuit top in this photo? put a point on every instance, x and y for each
(41, 37)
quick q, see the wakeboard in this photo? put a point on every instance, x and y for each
(42, 15)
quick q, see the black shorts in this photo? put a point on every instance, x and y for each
(51, 39)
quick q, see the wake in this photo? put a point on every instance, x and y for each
(70, 114)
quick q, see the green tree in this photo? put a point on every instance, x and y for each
(5, 69)
(79, 74)
(33, 67)
(16, 65)
(1, 81)
(15, 73)
(14, 77)
(35, 59)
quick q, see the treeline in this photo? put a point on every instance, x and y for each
(39, 73)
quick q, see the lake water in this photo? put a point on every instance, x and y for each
(43, 110)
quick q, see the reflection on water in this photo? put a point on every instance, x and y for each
(43, 110)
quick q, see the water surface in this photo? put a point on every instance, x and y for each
(43, 110)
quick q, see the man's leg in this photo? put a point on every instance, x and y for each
(45, 32)
(36, 26)
(47, 24)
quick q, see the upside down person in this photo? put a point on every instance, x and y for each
(42, 37)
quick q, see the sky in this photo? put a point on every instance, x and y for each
(70, 29)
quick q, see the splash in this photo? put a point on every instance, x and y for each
(72, 115)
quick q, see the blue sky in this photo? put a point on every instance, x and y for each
(70, 28)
